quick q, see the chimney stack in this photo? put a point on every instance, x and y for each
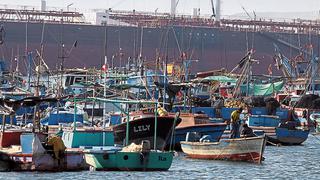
(173, 7)
(218, 10)
(43, 5)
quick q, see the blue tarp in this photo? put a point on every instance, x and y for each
(55, 119)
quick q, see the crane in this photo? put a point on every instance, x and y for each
(213, 11)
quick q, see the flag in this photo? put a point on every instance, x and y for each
(104, 67)
(170, 69)
(75, 44)
(184, 55)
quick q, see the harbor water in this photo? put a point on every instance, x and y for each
(284, 162)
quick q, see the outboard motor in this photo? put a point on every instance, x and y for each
(146, 146)
(193, 137)
(206, 138)
(145, 152)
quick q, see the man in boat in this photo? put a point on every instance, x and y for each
(58, 147)
(235, 123)
(247, 131)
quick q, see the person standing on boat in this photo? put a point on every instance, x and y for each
(235, 123)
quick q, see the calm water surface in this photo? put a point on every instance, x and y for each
(296, 162)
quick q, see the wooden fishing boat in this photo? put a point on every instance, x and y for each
(33, 156)
(277, 131)
(289, 136)
(242, 149)
(141, 128)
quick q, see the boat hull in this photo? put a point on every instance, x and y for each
(215, 130)
(143, 129)
(8, 138)
(282, 135)
(242, 149)
(291, 137)
(129, 161)
(72, 161)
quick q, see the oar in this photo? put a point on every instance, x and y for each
(273, 144)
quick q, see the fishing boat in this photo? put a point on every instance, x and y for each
(277, 130)
(65, 114)
(139, 157)
(284, 136)
(31, 155)
(31, 149)
(241, 149)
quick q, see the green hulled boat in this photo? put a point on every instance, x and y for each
(128, 161)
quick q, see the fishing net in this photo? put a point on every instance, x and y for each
(218, 104)
(271, 104)
(255, 101)
(306, 101)
(315, 104)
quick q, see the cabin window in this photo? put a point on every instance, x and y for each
(67, 81)
(78, 79)
(205, 89)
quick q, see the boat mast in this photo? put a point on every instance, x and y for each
(37, 94)
(26, 40)
(60, 86)
(155, 126)
(140, 62)
(165, 63)
(62, 56)
(105, 77)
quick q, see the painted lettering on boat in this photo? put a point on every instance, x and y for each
(141, 128)
(162, 158)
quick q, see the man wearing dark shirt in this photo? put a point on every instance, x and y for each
(246, 131)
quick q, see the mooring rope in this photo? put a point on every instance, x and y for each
(246, 142)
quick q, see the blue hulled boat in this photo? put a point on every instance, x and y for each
(67, 114)
(291, 137)
(279, 129)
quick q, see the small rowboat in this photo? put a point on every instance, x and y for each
(241, 149)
